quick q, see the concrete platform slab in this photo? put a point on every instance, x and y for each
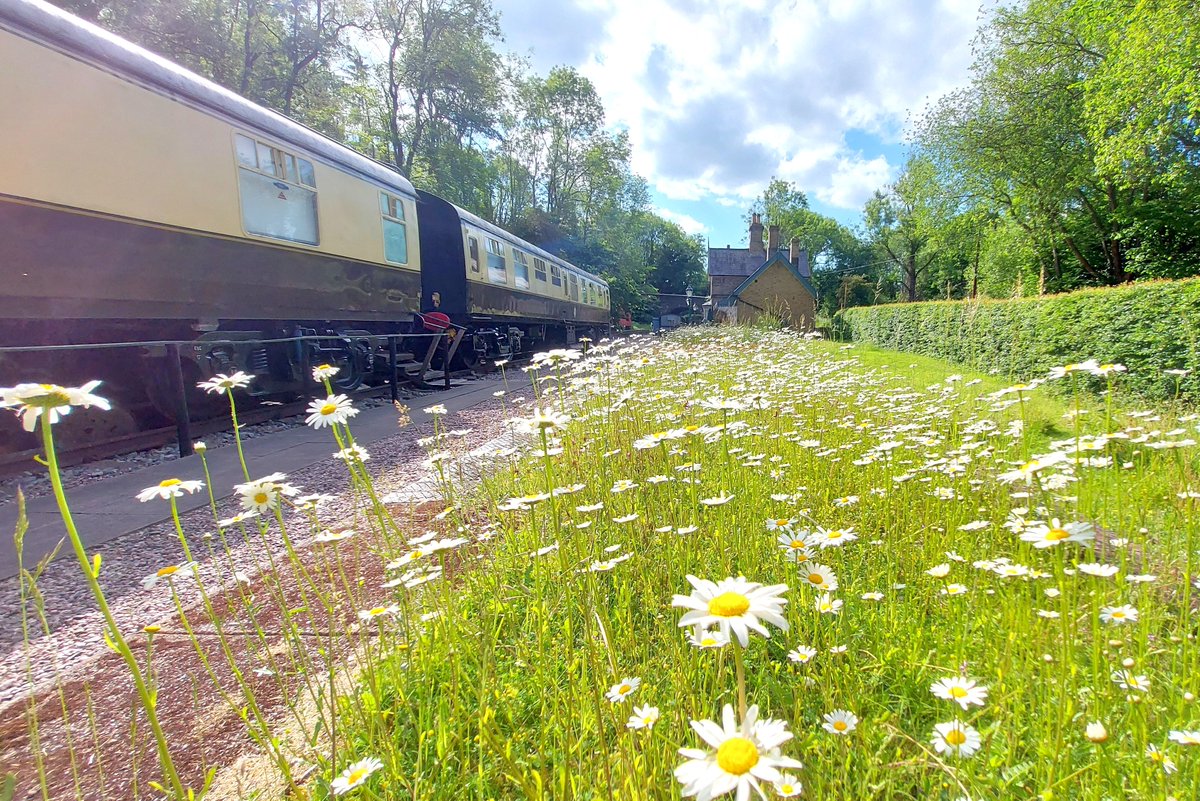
(107, 509)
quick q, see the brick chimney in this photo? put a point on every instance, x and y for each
(756, 228)
(794, 252)
(773, 240)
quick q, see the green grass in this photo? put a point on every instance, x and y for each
(484, 673)
(502, 695)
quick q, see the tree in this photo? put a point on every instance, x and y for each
(904, 222)
(440, 81)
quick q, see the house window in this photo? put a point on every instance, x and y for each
(473, 253)
(278, 192)
(497, 264)
(395, 232)
(539, 269)
(521, 269)
(556, 275)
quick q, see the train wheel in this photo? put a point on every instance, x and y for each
(88, 426)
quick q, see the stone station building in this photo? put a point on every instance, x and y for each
(748, 284)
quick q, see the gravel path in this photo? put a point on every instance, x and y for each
(74, 641)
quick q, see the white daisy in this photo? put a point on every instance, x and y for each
(840, 721)
(734, 605)
(623, 689)
(355, 775)
(819, 576)
(1056, 533)
(742, 756)
(643, 717)
(331, 410)
(169, 488)
(1118, 614)
(963, 692)
(955, 738)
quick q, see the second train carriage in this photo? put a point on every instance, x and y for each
(509, 295)
(141, 201)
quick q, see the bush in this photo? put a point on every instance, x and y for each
(1148, 327)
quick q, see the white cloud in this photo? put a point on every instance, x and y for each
(719, 95)
(854, 180)
(690, 225)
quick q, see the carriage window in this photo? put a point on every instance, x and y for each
(521, 269)
(539, 270)
(555, 275)
(497, 264)
(276, 190)
(574, 287)
(246, 153)
(473, 253)
(395, 232)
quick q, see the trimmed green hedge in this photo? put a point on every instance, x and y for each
(1148, 327)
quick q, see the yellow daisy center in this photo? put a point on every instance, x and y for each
(797, 544)
(329, 409)
(261, 497)
(166, 571)
(816, 578)
(840, 725)
(356, 776)
(958, 692)
(170, 482)
(1056, 534)
(624, 688)
(1118, 613)
(729, 604)
(833, 535)
(956, 737)
(737, 755)
(324, 367)
(379, 610)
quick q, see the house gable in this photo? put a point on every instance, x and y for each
(777, 288)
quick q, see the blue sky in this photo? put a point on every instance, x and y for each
(718, 96)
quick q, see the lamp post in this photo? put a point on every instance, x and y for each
(689, 292)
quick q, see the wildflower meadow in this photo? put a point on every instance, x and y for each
(721, 563)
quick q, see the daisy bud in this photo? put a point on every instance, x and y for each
(1096, 732)
(199, 447)
(1189, 697)
(1127, 662)
(1047, 658)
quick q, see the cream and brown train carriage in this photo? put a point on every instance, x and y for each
(510, 295)
(139, 201)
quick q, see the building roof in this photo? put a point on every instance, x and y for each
(778, 258)
(733, 261)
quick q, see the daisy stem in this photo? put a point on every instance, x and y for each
(121, 646)
(741, 678)
(237, 435)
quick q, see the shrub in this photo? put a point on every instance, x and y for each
(1148, 327)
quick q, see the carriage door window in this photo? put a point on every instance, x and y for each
(278, 191)
(521, 269)
(395, 233)
(473, 253)
(574, 287)
(539, 270)
(497, 265)
(555, 275)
